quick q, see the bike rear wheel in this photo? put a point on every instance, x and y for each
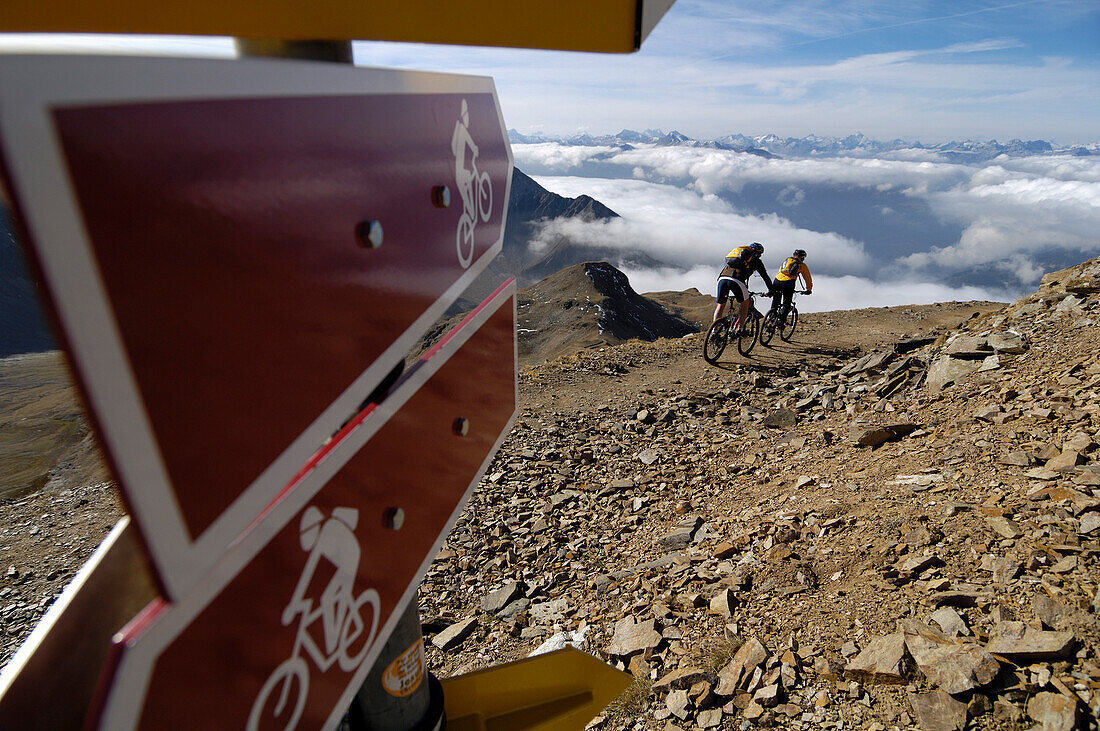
(292, 676)
(767, 328)
(746, 339)
(789, 325)
(716, 340)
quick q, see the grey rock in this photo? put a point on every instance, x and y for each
(677, 703)
(781, 418)
(881, 661)
(1053, 711)
(951, 622)
(710, 718)
(946, 371)
(1009, 342)
(938, 711)
(680, 679)
(724, 603)
(1089, 523)
(747, 659)
(548, 612)
(454, 635)
(1004, 527)
(499, 599)
(632, 637)
(1065, 462)
(969, 347)
(1017, 641)
(954, 667)
(873, 436)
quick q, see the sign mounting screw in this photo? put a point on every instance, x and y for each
(369, 234)
(441, 196)
(394, 518)
(461, 426)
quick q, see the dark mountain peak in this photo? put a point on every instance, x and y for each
(530, 201)
(587, 305)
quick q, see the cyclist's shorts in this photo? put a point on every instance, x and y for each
(736, 286)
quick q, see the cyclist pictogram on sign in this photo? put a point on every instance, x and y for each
(471, 185)
(338, 610)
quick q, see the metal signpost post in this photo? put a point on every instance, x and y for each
(239, 256)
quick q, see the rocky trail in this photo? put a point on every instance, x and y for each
(846, 531)
(892, 521)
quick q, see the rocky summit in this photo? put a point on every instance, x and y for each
(890, 522)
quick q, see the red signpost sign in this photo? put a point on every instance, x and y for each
(238, 253)
(286, 636)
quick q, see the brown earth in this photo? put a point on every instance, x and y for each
(722, 506)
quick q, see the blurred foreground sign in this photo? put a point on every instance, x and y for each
(573, 25)
(238, 253)
(284, 630)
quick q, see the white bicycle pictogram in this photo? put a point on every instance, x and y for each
(338, 611)
(467, 178)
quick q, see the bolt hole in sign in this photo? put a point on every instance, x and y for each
(236, 253)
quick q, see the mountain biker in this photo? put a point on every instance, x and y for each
(785, 279)
(740, 264)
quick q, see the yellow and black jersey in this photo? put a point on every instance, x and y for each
(791, 269)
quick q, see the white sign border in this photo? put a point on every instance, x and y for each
(30, 88)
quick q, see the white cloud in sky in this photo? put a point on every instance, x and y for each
(1009, 209)
(688, 228)
(830, 293)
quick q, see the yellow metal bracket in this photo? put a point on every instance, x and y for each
(557, 691)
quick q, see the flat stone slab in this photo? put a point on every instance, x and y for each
(954, 667)
(969, 347)
(453, 636)
(680, 679)
(938, 711)
(881, 661)
(1053, 711)
(1008, 342)
(632, 637)
(873, 436)
(547, 612)
(947, 370)
(749, 657)
(1017, 641)
(1004, 527)
(499, 599)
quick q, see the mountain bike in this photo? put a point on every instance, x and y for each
(786, 325)
(719, 334)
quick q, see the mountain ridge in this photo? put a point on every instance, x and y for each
(771, 145)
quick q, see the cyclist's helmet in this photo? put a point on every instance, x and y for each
(758, 248)
(800, 253)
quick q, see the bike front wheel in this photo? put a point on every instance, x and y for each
(293, 672)
(716, 340)
(746, 339)
(464, 240)
(767, 328)
(789, 325)
(484, 196)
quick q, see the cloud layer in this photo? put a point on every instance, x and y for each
(1014, 214)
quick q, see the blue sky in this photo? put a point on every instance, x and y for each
(928, 70)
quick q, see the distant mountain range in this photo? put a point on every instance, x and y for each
(856, 145)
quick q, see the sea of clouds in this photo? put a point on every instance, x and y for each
(993, 227)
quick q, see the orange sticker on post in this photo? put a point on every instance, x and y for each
(404, 675)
